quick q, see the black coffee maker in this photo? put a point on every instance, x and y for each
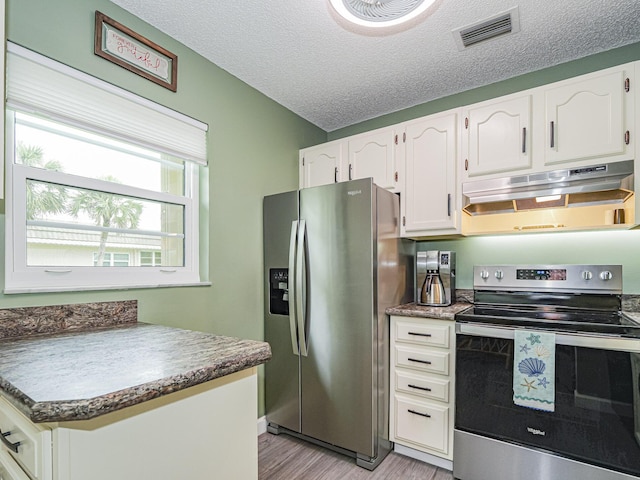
(435, 278)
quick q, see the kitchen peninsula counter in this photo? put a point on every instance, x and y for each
(80, 375)
(78, 381)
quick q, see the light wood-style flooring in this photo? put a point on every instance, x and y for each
(283, 457)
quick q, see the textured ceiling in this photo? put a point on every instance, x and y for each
(299, 54)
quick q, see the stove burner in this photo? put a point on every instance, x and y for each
(551, 318)
(564, 298)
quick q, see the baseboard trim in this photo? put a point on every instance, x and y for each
(262, 425)
(423, 457)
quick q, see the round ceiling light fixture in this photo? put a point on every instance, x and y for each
(380, 13)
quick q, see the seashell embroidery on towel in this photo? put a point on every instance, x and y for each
(532, 367)
(542, 351)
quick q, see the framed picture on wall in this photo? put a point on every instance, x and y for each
(124, 47)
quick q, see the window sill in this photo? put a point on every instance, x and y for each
(20, 290)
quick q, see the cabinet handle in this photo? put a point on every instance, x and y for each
(404, 221)
(419, 388)
(426, 362)
(448, 204)
(466, 122)
(524, 139)
(552, 136)
(627, 85)
(627, 137)
(350, 170)
(404, 137)
(335, 175)
(466, 164)
(426, 415)
(11, 446)
(395, 176)
(395, 139)
(420, 334)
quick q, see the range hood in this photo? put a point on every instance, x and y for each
(598, 184)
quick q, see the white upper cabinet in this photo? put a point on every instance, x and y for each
(589, 118)
(497, 136)
(429, 203)
(321, 164)
(374, 154)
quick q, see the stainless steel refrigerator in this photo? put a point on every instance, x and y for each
(333, 262)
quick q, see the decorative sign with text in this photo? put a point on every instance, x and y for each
(132, 51)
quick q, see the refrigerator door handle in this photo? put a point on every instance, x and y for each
(292, 287)
(301, 287)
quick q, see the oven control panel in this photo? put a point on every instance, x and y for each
(541, 274)
(552, 278)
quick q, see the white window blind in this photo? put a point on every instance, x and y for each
(40, 85)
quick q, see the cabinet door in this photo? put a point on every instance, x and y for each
(430, 183)
(498, 137)
(373, 154)
(586, 119)
(320, 165)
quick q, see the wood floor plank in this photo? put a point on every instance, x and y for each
(282, 457)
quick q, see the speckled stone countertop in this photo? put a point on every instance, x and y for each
(79, 375)
(630, 307)
(415, 310)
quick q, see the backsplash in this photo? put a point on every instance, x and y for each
(19, 322)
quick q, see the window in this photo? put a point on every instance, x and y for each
(150, 259)
(108, 259)
(95, 184)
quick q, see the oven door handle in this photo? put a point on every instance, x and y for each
(571, 339)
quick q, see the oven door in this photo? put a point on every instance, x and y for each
(596, 419)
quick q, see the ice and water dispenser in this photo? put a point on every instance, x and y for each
(279, 291)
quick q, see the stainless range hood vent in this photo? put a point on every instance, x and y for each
(598, 184)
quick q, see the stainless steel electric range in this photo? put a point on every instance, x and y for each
(593, 432)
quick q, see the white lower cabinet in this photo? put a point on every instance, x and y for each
(9, 469)
(422, 366)
(203, 432)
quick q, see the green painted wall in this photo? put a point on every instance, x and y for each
(253, 151)
(615, 247)
(603, 247)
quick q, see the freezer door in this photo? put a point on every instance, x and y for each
(338, 374)
(282, 379)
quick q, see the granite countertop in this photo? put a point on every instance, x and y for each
(79, 375)
(415, 310)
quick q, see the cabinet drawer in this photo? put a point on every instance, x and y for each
(9, 469)
(422, 385)
(434, 361)
(424, 334)
(422, 424)
(34, 449)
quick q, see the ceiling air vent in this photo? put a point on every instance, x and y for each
(501, 24)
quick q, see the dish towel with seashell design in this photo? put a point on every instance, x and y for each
(534, 369)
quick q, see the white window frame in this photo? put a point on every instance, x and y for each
(21, 278)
